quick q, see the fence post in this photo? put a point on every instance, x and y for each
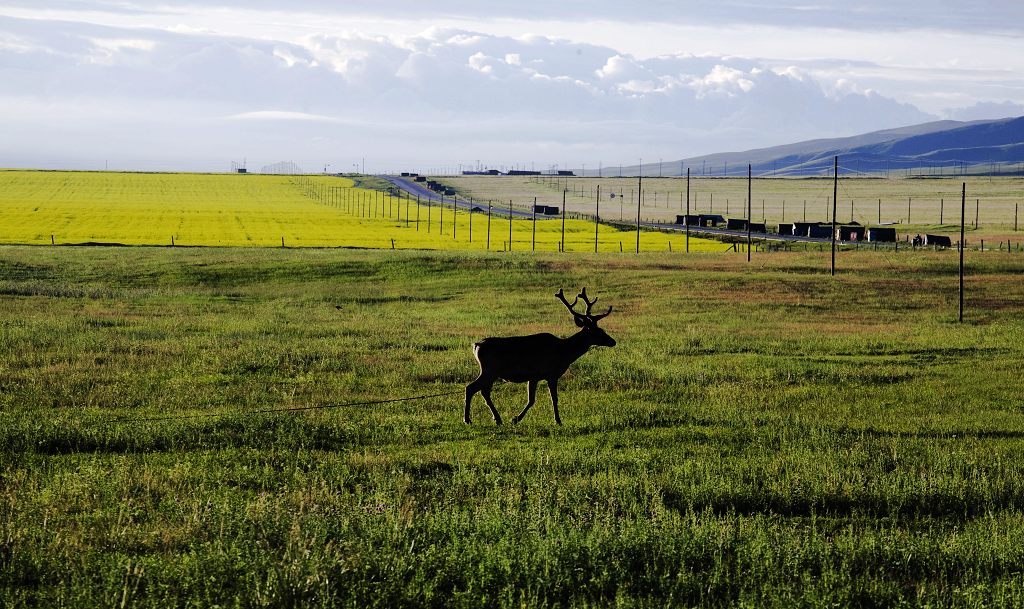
(510, 225)
(533, 241)
(563, 221)
(963, 208)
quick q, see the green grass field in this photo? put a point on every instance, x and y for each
(762, 435)
(38, 207)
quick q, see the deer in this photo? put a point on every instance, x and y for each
(534, 358)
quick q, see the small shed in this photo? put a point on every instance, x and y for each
(818, 231)
(736, 224)
(421, 179)
(691, 220)
(758, 227)
(786, 228)
(882, 234)
(711, 220)
(938, 240)
(801, 229)
(850, 232)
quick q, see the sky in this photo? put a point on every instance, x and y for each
(407, 85)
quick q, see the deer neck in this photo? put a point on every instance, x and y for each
(577, 345)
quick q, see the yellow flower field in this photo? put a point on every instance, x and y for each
(40, 207)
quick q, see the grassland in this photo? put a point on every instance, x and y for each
(40, 208)
(994, 206)
(762, 435)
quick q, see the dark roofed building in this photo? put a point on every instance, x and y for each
(882, 234)
(938, 240)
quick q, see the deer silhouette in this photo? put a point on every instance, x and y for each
(534, 358)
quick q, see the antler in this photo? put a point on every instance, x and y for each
(587, 317)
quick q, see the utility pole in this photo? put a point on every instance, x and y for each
(687, 218)
(963, 207)
(562, 246)
(835, 193)
(639, 201)
(748, 210)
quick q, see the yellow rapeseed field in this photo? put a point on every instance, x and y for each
(40, 207)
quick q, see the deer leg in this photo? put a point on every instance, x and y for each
(486, 392)
(553, 389)
(531, 392)
(471, 390)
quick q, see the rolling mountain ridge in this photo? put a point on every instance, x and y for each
(935, 148)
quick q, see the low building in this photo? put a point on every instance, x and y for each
(850, 232)
(711, 220)
(802, 229)
(938, 240)
(736, 224)
(786, 228)
(690, 220)
(819, 231)
(882, 234)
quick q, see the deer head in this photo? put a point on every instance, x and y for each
(586, 321)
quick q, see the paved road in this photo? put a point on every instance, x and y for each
(419, 188)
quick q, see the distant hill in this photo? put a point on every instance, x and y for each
(936, 148)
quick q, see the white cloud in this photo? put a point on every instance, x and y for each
(436, 91)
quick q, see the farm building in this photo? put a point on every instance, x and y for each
(802, 229)
(736, 224)
(938, 240)
(882, 234)
(691, 220)
(758, 227)
(818, 231)
(850, 232)
(546, 210)
(786, 229)
(711, 220)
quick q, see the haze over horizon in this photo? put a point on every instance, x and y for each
(144, 85)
